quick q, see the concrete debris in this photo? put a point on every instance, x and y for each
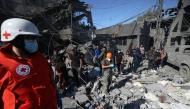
(81, 98)
(147, 91)
(179, 106)
(187, 95)
(163, 105)
(151, 96)
(137, 84)
(163, 82)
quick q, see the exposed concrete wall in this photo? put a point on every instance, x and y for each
(130, 41)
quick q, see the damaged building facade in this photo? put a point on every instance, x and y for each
(124, 36)
(57, 20)
(159, 32)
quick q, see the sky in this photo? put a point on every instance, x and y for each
(109, 12)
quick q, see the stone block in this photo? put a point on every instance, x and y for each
(151, 96)
(81, 98)
(128, 85)
(137, 84)
(116, 91)
(187, 95)
(163, 82)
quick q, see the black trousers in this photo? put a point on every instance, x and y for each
(77, 75)
(151, 63)
(119, 66)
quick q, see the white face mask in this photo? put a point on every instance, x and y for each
(119, 51)
(109, 59)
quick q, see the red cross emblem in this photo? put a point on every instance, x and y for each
(23, 70)
(6, 35)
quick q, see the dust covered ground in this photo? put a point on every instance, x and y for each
(163, 89)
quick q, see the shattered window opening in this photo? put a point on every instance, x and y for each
(153, 25)
(124, 41)
(172, 41)
(120, 41)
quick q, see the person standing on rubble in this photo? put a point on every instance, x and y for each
(137, 59)
(163, 57)
(130, 57)
(119, 60)
(151, 59)
(107, 65)
(102, 56)
(157, 58)
(142, 49)
(76, 66)
(54, 56)
(62, 73)
(26, 80)
(97, 51)
(112, 50)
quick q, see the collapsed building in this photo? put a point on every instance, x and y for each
(160, 32)
(57, 20)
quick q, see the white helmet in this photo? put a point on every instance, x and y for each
(13, 27)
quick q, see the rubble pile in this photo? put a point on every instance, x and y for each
(163, 89)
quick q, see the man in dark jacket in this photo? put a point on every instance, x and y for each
(54, 56)
(137, 59)
(119, 60)
(76, 65)
(151, 59)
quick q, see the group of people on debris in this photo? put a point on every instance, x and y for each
(27, 80)
(108, 58)
(156, 58)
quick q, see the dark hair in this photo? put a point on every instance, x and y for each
(105, 47)
(161, 48)
(73, 50)
(60, 66)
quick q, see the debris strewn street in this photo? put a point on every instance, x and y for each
(143, 90)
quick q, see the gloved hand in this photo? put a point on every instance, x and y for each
(59, 101)
(111, 65)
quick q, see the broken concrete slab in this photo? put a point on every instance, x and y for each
(179, 106)
(187, 95)
(128, 85)
(125, 93)
(147, 80)
(151, 96)
(164, 105)
(82, 89)
(163, 82)
(81, 98)
(116, 91)
(137, 84)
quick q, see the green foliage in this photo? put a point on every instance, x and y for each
(148, 15)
